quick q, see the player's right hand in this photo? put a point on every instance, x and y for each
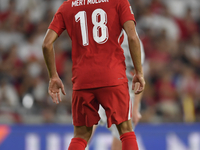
(55, 84)
(138, 83)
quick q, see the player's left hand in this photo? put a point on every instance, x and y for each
(138, 83)
(55, 84)
(136, 116)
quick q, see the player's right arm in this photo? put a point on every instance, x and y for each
(55, 84)
(56, 27)
(134, 47)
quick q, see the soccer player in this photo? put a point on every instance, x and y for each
(116, 144)
(99, 77)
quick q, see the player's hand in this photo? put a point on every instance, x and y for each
(138, 83)
(55, 84)
(136, 116)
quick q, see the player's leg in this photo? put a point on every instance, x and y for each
(83, 132)
(93, 131)
(82, 135)
(116, 102)
(126, 139)
(127, 136)
(124, 127)
(102, 121)
(85, 115)
(116, 144)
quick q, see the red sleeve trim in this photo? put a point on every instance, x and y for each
(127, 19)
(56, 29)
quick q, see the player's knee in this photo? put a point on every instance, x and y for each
(85, 137)
(83, 132)
(125, 127)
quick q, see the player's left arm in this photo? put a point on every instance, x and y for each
(55, 84)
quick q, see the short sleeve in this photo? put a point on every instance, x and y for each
(58, 24)
(125, 12)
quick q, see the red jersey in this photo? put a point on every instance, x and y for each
(94, 27)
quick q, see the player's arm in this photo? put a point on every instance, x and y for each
(48, 52)
(136, 105)
(134, 47)
(55, 84)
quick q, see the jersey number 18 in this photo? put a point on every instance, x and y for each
(98, 25)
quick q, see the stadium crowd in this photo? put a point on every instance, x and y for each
(169, 30)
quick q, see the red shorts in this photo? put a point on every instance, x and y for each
(114, 99)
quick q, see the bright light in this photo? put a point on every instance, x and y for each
(28, 101)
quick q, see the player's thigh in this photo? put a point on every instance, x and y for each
(116, 102)
(84, 108)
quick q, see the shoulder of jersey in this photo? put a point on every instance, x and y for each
(64, 4)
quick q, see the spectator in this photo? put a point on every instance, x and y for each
(168, 29)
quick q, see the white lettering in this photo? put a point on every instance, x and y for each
(78, 3)
(174, 143)
(32, 142)
(53, 142)
(96, 1)
(140, 142)
(194, 141)
(74, 3)
(103, 142)
(67, 139)
(89, 2)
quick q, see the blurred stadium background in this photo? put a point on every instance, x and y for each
(170, 32)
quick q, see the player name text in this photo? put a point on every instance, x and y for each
(87, 2)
